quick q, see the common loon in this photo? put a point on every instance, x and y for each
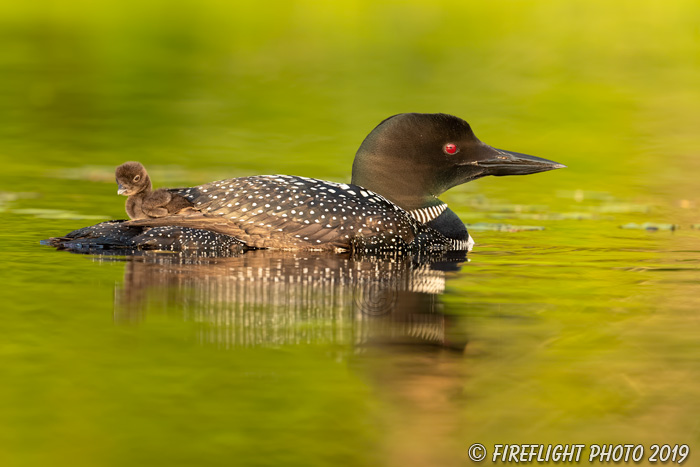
(142, 202)
(391, 204)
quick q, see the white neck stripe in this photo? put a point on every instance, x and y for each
(428, 214)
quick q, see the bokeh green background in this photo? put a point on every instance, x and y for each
(583, 332)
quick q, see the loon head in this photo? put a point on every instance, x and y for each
(412, 158)
(132, 178)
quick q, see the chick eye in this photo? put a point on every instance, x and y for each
(137, 178)
(451, 148)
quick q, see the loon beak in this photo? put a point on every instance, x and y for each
(499, 162)
(121, 190)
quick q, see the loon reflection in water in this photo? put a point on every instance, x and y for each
(284, 298)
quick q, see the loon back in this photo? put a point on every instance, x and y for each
(290, 212)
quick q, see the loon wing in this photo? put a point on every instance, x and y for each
(282, 211)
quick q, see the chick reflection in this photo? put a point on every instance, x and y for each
(282, 298)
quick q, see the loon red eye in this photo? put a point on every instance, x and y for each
(450, 148)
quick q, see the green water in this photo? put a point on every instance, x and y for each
(562, 328)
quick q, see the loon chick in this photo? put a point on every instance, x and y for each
(391, 204)
(142, 201)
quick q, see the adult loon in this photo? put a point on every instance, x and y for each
(391, 204)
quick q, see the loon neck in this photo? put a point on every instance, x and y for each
(428, 213)
(145, 192)
(147, 188)
(405, 185)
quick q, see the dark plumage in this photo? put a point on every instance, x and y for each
(289, 212)
(392, 204)
(113, 236)
(143, 202)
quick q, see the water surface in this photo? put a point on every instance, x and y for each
(574, 319)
